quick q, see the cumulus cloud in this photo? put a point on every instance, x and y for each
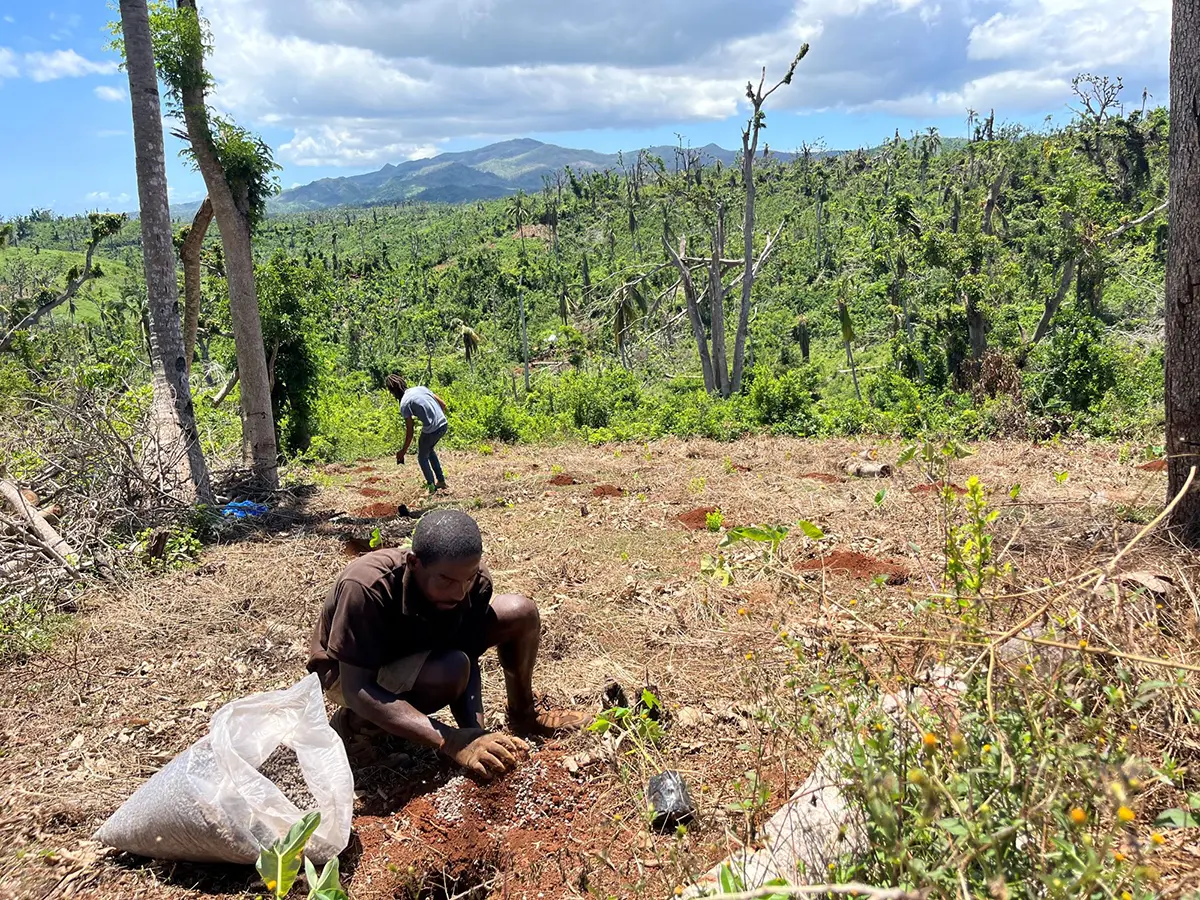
(362, 82)
(8, 64)
(64, 64)
(110, 93)
(107, 198)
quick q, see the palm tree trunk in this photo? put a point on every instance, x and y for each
(1183, 271)
(259, 445)
(189, 254)
(177, 441)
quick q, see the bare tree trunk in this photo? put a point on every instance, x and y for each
(1183, 269)
(259, 446)
(693, 309)
(716, 299)
(178, 442)
(993, 199)
(977, 333)
(1053, 303)
(749, 149)
(189, 254)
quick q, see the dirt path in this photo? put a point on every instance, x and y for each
(136, 678)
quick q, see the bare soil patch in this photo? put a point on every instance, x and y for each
(856, 565)
(1157, 465)
(563, 480)
(374, 479)
(372, 492)
(607, 490)
(377, 510)
(137, 678)
(696, 519)
(823, 477)
(936, 487)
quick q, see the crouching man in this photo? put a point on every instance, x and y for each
(400, 638)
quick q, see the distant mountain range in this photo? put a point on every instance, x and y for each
(496, 170)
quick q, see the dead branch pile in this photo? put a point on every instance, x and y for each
(77, 488)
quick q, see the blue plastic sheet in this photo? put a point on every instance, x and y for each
(241, 509)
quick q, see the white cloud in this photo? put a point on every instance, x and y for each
(64, 64)
(8, 63)
(107, 198)
(10, 20)
(110, 93)
(363, 82)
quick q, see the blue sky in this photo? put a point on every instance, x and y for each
(343, 88)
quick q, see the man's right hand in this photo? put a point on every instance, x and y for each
(484, 753)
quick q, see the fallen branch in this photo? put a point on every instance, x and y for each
(1141, 220)
(220, 398)
(49, 539)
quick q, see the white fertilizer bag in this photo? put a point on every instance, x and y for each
(210, 804)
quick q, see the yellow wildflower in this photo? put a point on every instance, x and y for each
(1078, 815)
(1125, 814)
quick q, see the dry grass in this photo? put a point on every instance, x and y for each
(136, 679)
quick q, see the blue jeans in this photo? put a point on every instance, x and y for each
(431, 467)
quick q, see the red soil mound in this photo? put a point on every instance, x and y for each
(822, 477)
(606, 490)
(563, 480)
(1158, 465)
(444, 843)
(738, 467)
(362, 469)
(856, 565)
(936, 488)
(697, 519)
(376, 511)
(372, 492)
(374, 479)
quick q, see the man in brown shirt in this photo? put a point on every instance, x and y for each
(400, 637)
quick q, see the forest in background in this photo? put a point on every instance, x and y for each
(1010, 284)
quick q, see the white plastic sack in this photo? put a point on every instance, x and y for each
(210, 804)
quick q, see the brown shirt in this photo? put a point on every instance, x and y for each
(375, 614)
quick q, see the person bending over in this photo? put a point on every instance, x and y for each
(421, 403)
(400, 637)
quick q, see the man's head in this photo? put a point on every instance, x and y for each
(396, 385)
(446, 551)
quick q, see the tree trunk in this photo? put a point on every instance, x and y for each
(259, 447)
(749, 149)
(977, 333)
(693, 310)
(1053, 303)
(716, 299)
(1183, 270)
(189, 254)
(178, 449)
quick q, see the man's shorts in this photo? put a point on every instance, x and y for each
(396, 677)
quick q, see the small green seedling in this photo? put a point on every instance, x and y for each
(279, 864)
(717, 568)
(714, 520)
(880, 497)
(1014, 492)
(376, 539)
(1062, 477)
(697, 485)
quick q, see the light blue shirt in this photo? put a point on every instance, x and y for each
(420, 404)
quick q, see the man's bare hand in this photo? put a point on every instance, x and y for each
(484, 753)
(400, 457)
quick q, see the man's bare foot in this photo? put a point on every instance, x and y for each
(548, 723)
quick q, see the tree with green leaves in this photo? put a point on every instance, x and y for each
(518, 214)
(177, 449)
(237, 168)
(103, 225)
